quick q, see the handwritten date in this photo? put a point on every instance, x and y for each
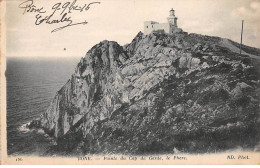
(60, 10)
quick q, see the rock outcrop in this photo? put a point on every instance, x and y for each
(161, 92)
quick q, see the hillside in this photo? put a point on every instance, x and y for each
(158, 94)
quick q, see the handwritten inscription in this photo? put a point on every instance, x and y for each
(60, 10)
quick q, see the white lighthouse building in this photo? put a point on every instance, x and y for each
(171, 27)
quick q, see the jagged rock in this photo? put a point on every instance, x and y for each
(158, 93)
(34, 124)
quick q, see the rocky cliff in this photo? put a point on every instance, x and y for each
(159, 94)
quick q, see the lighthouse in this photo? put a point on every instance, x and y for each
(171, 18)
(171, 27)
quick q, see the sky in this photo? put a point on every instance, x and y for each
(121, 20)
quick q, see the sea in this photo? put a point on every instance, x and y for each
(32, 83)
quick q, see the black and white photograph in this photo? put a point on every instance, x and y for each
(130, 82)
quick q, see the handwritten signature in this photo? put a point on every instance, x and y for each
(63, 9)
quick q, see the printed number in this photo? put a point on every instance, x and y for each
(19, 159)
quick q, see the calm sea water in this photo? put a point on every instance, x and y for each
(31, 86)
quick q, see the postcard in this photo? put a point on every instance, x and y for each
(130, 82)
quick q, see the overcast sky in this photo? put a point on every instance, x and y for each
(121, 20)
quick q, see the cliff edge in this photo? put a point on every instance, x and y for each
(159, 94)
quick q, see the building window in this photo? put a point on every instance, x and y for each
(146, 26)
(152, 26)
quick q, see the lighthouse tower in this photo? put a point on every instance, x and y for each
(172, 19)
